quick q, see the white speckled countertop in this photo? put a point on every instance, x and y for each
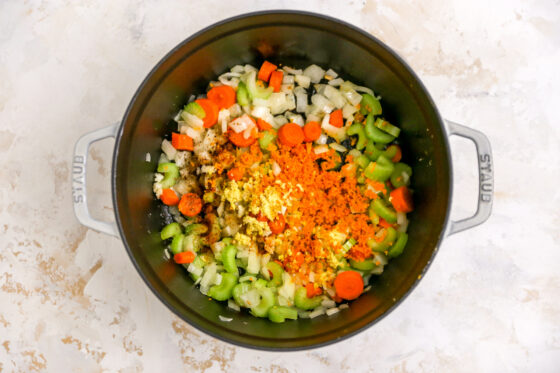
(72, 301)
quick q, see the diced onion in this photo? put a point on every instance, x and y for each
(343, 306)
(276, 169)
(241, 124)
(224, 319)
(232, 305)
(353, 97)
(295, 118)
(314, 72)
(303, 81)
(248, 68)
(322, 140)
(331, 311)
(262, 112)
(231, 79)
(328, 303)
(292, 71)
(338, 147)
(348, 111)
(192, 133)
(301, 99)
(322, 103)
(192, 120)
(320, 149)
(235, 110)
(168, 149)
(287, 88)
(330, 72)
(313, 118)
(336, 82)
(238, 69)
(288, 79)
(317, 312)
(325, 121)
(335, 96)
(280, 120)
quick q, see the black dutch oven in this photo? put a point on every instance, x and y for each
(298, 39)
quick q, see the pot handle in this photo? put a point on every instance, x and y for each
(485, 177)
(79, 193)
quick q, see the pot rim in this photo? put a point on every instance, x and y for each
(355, 29)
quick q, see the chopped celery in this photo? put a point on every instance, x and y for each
(399, 245)
(379, 170)
(225, 289)
(375, 134)
(302, 302)
(387, 127)
(170, 174)
(370, 104)
(279, 314)
(195, 109)
(276, 270)
(177, 243)
(266, 139)
(242, 94)
(384, 210)
(170, 230)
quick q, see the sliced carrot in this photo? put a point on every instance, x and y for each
(211, 110)
(402, 199)
(312, 131)
(336, 118)
(276, 80)
(239, 140)
(190, 204)
(223, 96)
(349, 285)
(277, 225)
(235, 173)
(169, 197)
(184, 257)
(266, 69)
(398, 155)
(263, 126)
(290, 134)
(312, 290)
(182, 142)
(384, 223)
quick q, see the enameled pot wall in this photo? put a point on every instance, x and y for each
(297, 39)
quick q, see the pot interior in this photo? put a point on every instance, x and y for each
(296, 39)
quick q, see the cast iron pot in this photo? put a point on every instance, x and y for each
(298, 39)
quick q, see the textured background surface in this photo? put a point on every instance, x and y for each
(70, 298)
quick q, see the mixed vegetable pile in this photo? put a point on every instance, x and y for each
(286, 191)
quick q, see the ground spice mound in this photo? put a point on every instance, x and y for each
(321, 206)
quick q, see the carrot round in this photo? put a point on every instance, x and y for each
(223, 96)
(182, 142)
(290, 134)
(235, 173)
(276, 80)
(211, 110)
(266, 70)
(190, 204)
(263, 126)
(336, 118)
(349, 285)
(312, 131)
(402, 199)
(277, 225)
(239, 140)
(169, 197)
(184, 257)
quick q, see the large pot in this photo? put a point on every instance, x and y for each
(299, 39)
